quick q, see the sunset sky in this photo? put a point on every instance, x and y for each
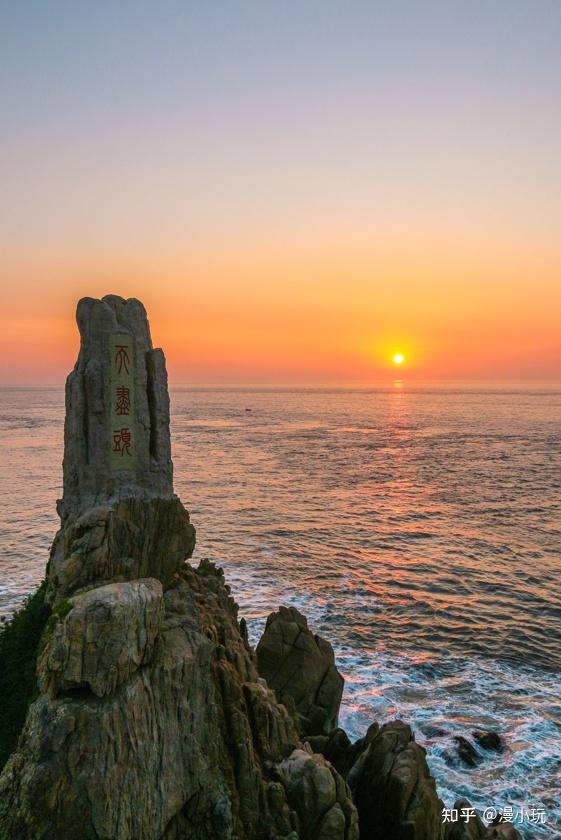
(297, 191)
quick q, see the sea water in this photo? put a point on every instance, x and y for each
(418, 529)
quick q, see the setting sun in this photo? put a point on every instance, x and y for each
(398, 358)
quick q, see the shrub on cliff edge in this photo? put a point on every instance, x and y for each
(19, 640)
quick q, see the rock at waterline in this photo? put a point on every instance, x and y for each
(151, 719)
(467, 752)
(489, 740)
(300, 666)
(392, 787)
(386, 770)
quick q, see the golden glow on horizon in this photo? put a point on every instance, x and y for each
(312, 316)
(364, 198)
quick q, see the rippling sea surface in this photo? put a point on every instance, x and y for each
(419, 530)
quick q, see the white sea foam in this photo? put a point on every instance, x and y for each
(419, 531)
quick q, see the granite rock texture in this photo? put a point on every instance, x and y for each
(124, 540)
(389, 779)
(152, 721)
(191, 744)
(300, 667)
(386, 771)
(339, 750)
(116, 524)
(88, 477)
(154, 718)
(320, 797)
(392, 787)
(105, 636)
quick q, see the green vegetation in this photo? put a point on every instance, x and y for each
(19, 645)
(61, 609)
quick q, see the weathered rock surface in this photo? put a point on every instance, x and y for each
(320, 796)
(338, 749)
(152, 721)
(386, 770)
(88, 476)
(392, 788)
(191, 745)
(105, 636)
(132, 538)
(300, 667)
(120, 519)
(389, 779)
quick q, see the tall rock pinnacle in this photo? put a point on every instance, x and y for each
(150, 720)
(120, 519)
(116, 438)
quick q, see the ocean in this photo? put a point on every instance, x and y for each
(418, 529)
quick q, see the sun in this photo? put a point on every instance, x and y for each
(398, 358)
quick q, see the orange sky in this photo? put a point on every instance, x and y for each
(295, 195)
(328, 313)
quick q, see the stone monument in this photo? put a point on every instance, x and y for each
(120, 519)
(151, 720)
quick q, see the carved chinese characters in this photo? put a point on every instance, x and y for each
(121, 402)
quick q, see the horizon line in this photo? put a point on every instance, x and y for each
(395, 382)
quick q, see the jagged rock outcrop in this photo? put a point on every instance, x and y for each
(191, 745)
(320, 797)
(393, 791)
(392, 787)
(300, 667)
(390, 781)
(338, 749)
(126, 539)
(386, 770)
(106, 635)
(151, 721)
(489, 740)
(120, 519)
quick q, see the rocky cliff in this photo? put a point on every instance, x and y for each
(152, 719)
